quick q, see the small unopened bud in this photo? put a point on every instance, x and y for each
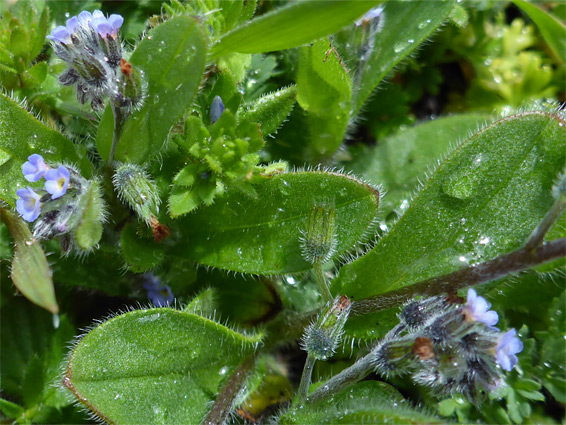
(136, 189)
(423, 348)
(322, 337)
(318, 242)
(130, 87)
(216, 109)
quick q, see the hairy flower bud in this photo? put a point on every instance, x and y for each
(322, 337)
(137, 190)
(318, 242)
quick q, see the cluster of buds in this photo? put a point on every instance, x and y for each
(59, 207)
(449, 347)
(90, 44)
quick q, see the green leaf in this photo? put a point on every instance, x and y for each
(10, 410)
(154, 366)
(399, 161)
(271, 110)
(291, 26)
(262, 235)
(367, 402)
(324, 89)
(30, 271)
(35, 75)
(172, 58)
(89, 230)
(406, 25)
(483, 201)
(21, 134)
(552, 30)
(140, 254)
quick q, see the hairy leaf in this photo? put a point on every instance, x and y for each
(262, 235)
(172, 59)
(154, 366)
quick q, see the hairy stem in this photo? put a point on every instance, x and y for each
(119, 119)
(549, 219)
(321, 280)
(224, 402)
(347, 377)
(306, 379)
(502, 266)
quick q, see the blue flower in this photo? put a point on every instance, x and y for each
(29, 205)
(105, 27)
(507, 346)
(160, 295)
(35, 168)
(370, 15)
(477, 309)
(57, 182)
(60, 34)
(216, 109)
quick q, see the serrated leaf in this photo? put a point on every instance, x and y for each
(406, 25)
(401, 160)
(35, 75)
(552, 30)
(271, 110)
(262, 235)
(483, 201)
(172, 58)
(21, 135)
(154, 366)
(11, 410)
(183, 200)
(291, 26)
(30, 271)
(140, 254)
(364, 403)
(324, 89)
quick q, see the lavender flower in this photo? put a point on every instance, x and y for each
(477, 309)
(29, 205)
(35, 168)
(105, 27)
(507, 346)
(57, 182)
(61, 34)
(216, 109)
(160, 295)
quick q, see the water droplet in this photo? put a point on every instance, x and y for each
(117, 397)
(223, 371)
(56, 321)
(461, 185)
(398, 47)
(67, 14)
(291, 280)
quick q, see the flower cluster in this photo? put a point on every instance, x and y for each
(90, 44)
(56, 185)
(58, 209)
(450, 347)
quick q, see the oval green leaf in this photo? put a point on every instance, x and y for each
(369, 402)
(291, 26)
(406, 25)
(30, 271)
(399, 161)
(157, 366)
(172, 59)
(262, 235)
(483, 201)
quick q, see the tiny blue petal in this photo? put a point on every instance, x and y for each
(101, 26)
(507, 348)
(57, 181)
(85, 17)
(478, 309)
(216, 109)
(60, 34)
(160, 295)
(116, 22)
(35, 168)
(29, 204)
(72, 24)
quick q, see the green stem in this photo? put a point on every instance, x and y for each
(549, 219)
(119, 120)
(321, 280)
(306, 379)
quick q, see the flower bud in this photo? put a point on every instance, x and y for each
(318, 242)
(137, 190)
(322, 337)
